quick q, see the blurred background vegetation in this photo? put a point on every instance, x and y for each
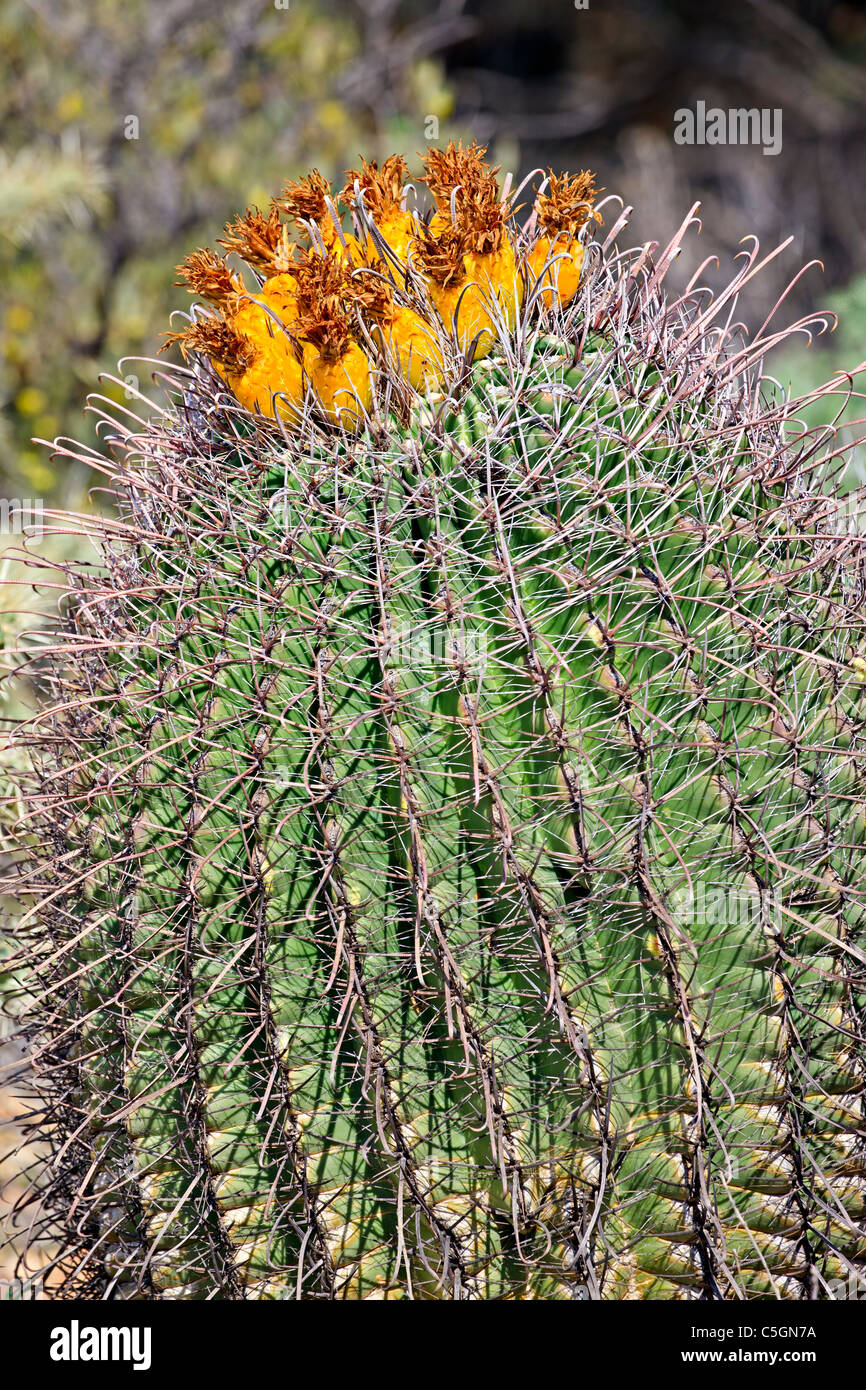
(133, 129)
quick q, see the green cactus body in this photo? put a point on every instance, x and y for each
(457, 842)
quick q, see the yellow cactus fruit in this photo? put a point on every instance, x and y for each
(342, 384)
(466, 251)
(232, 356)
(337, 368)
(558, 263)
(280, 294)
(249, 350)
(382, 191)
(556, 256)
(258, 388)
(412, 341)
(495, 274)
(408, 339)
(275, 367)
(463, 304)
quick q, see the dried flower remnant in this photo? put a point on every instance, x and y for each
(257, 238)
(307, 201)
(231, 353)
(469, 209)
(207, 275)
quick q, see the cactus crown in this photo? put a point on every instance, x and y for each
(342, 288)
(474, 618)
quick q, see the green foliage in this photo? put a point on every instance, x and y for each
(38, 191)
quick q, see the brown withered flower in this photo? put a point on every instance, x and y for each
(440, 253)
(461, 179)
(216, 339)
(567, 203)
(257, 238)
(324, 297)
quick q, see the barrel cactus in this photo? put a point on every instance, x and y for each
(446, 814)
